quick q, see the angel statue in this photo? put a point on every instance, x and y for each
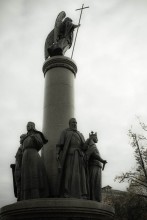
(60, 39)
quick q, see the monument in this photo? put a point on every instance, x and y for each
(65, 182)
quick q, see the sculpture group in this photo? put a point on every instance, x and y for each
(79, 161)
(79, 165)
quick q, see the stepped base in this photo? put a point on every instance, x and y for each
(57, 209)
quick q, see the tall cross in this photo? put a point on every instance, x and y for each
(81, 9)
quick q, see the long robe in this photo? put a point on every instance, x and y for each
(17, 172)
(34, 182)
(94, 167)
(72, 178)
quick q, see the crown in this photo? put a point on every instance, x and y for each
(92, 134)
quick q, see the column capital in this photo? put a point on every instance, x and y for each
(59, 61)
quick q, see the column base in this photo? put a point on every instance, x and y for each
(57, 209)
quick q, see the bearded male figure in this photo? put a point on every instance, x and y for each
(72, 176)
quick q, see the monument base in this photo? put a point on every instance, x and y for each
(57, 209)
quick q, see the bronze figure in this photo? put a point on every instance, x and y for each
(60, 39)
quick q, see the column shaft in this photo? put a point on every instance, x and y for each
(58, 109)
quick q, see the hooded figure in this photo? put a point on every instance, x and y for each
(34, 182)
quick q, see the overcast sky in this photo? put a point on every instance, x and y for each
(110, 87)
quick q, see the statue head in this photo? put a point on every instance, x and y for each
(30, 126)
(93, 136)
(22, 137)
(73, 124)
(67, 19)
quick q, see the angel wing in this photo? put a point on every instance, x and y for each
(58, 22)
(52, 37)
(48, 43)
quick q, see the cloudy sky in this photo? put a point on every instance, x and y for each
(110, 87)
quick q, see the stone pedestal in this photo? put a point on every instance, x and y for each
(59, 72)
(57, 209)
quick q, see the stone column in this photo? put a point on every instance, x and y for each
(59, 72)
